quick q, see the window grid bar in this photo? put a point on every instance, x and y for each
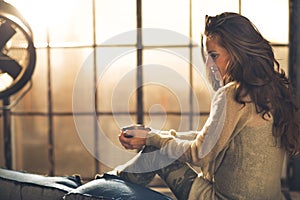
(51, 154)
(191, 117)
(144, 46)
(96, 128)
(105, 113)
(139, 74)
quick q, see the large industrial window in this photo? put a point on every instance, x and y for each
(153, 76)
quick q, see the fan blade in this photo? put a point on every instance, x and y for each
(6, 32)
(10, 66)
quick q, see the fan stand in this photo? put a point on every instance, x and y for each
(7, 133)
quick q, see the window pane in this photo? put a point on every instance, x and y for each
(271, 17)
(282, 56)
(200, 8)
(111, 153)
(114, 18)
(166, 79)
(71, 23)
(200, 83)
(71, 155)
(202, 93)
(36, 16)
(31, 142)
(67, 65)
(157, 14)
(116, 80)
(36, 98)
(179, 123)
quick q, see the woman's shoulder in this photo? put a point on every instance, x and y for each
(225, 96)
(227, 90)
(228, 94)
(231, 86)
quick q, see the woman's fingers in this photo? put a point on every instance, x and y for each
(135, 133)
(131, 142)
(124, 141)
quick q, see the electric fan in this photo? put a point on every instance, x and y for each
(17, 52)
(17, 62)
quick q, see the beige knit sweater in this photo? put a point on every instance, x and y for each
(235, 150)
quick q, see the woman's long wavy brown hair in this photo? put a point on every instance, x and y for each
(258, 74)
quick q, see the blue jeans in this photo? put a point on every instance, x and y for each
(177, 175)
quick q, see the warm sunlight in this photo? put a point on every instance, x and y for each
(271, 17)
(57, 15)
(51, 21)
(5, 81)
(37, 13)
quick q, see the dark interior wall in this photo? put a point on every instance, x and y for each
(294, 55)
(293, 169)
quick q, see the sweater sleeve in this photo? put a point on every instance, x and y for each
(226, 116)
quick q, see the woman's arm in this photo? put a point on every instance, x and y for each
(134, 136)
(226, 117)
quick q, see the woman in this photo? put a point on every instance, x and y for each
(252, 124)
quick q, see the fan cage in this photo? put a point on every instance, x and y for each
(19, 47)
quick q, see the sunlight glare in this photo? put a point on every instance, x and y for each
(41, 12)
(271, 17)
(5, 81)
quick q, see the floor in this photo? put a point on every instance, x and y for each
(158, 185)
(292, 194)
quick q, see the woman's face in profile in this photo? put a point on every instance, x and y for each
(219, 55)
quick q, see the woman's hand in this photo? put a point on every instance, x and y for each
(133, 138)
